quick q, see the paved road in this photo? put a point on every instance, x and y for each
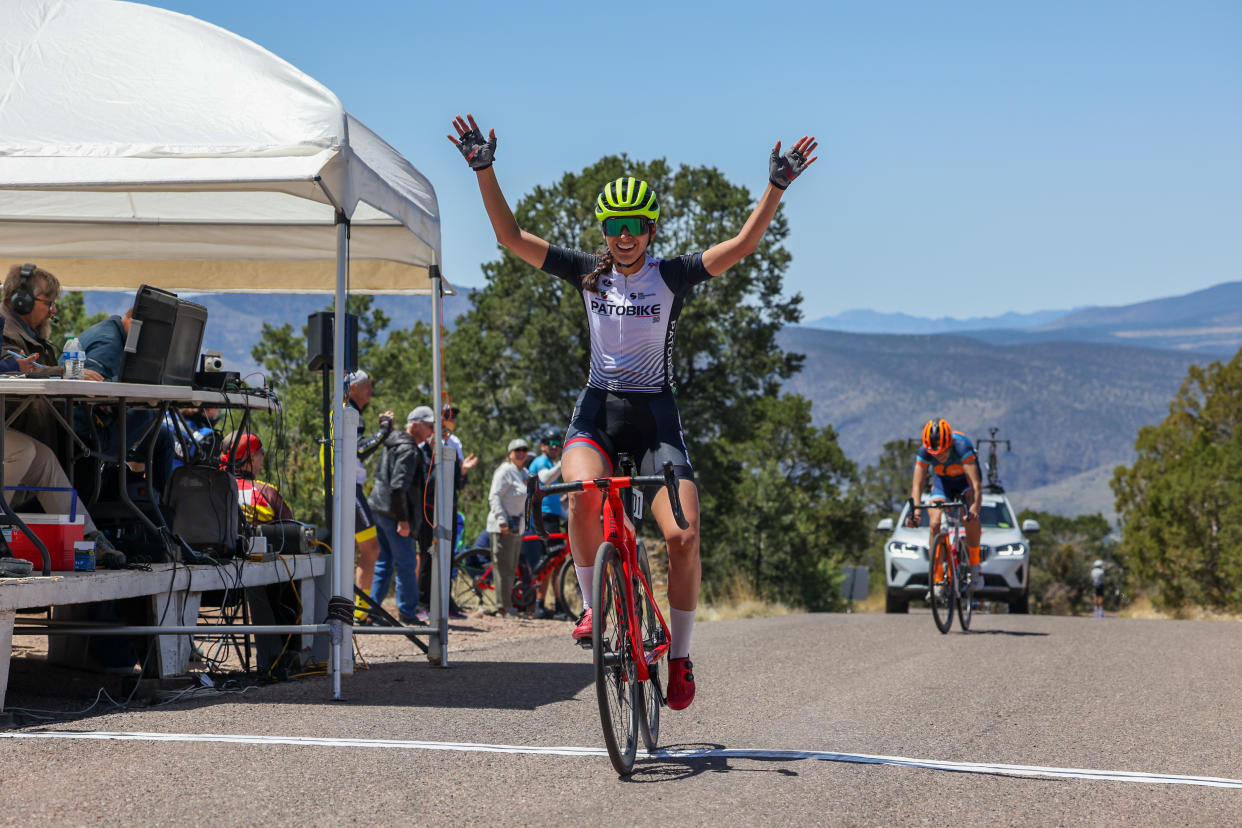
(1147, 697)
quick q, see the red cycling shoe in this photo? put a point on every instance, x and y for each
(582, 632)
(680, 683)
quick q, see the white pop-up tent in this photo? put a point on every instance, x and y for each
(139, 146)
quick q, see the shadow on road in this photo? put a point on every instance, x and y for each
(484, 685)
(673, 768)
(1006, 632)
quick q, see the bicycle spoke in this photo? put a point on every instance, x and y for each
(471, 584)
(942, 597)
(650, 693)
(615, 677)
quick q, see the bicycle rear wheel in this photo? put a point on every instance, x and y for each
(965, 589)
(615, 685)
(651, 692)
(940, 582)
(471, 586)
(568, 590)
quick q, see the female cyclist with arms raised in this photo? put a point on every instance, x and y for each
(632, 302)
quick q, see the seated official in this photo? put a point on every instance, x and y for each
(104, 345)
(27, 310)
(27, 462)
(260, 502)
(30, 462)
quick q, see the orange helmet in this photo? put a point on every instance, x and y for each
(937, 435)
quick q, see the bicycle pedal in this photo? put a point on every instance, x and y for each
(584, 643)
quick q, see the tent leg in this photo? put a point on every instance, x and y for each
(446, 457)
(343, 433)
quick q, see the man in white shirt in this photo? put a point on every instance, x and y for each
(505, 519)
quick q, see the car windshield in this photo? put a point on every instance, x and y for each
(996, 515)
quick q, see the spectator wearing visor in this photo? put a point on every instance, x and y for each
(628, 405)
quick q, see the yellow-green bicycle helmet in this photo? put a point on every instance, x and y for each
(627, 197)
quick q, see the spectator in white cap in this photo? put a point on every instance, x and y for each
(366, 537)
(506, 508)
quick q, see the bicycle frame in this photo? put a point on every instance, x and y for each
(618, 533)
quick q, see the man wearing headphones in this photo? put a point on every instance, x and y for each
(30, 295)
(26, 314)
(29, 302)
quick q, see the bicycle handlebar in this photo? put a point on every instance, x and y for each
(950, 505)
(535, 493)
(943, 504)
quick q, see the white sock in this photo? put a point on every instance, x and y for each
(681, 627)
(586, 582)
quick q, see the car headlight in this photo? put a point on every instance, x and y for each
(1011, 550)
(907, 550)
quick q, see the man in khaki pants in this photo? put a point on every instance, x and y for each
(507, 502)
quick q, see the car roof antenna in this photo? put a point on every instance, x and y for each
(993, 486)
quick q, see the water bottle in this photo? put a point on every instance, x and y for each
(74, 358)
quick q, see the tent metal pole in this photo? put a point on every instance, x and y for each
(445, 463)
(342, 546)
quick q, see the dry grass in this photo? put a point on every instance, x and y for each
(739, 600)
(1142, 607)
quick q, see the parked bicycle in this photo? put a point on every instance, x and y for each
(473, 588)
(630, 638)
(950, 583)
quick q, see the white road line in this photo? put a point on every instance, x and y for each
(721, 753)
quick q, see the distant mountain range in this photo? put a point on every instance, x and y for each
(1068, 388)
(869, 321)
(1068, 408)
(1207, 321)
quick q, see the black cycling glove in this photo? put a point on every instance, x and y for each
(478, 151)
(785, 168)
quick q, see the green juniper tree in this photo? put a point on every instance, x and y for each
(1180, 503)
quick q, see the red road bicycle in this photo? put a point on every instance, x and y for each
(472, 587)
(949, 580)
(630, 638)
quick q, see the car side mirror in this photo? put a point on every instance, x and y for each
(885, 525)
(1030, 527)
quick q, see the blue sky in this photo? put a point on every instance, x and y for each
(976, 157)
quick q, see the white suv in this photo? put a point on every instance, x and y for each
(1004, 555)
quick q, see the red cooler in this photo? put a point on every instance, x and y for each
(58, 534)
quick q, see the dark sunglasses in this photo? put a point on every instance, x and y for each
(636, 225)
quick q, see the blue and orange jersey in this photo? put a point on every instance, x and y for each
(961, 452)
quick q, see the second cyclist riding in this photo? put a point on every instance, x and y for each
(951, 583)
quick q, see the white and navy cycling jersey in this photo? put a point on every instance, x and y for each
(632, 319)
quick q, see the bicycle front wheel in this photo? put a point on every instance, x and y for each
(965, 589)
(615, 677)
(471, 586)
(568, 590)
(941, 584)
(651, 693)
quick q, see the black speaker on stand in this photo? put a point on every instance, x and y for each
(319, 342)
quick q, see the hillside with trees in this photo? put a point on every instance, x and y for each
(1068, 408)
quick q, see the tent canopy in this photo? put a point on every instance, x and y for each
(139, 145)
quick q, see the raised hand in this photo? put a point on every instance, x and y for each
(478, 152)
(783, 169)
